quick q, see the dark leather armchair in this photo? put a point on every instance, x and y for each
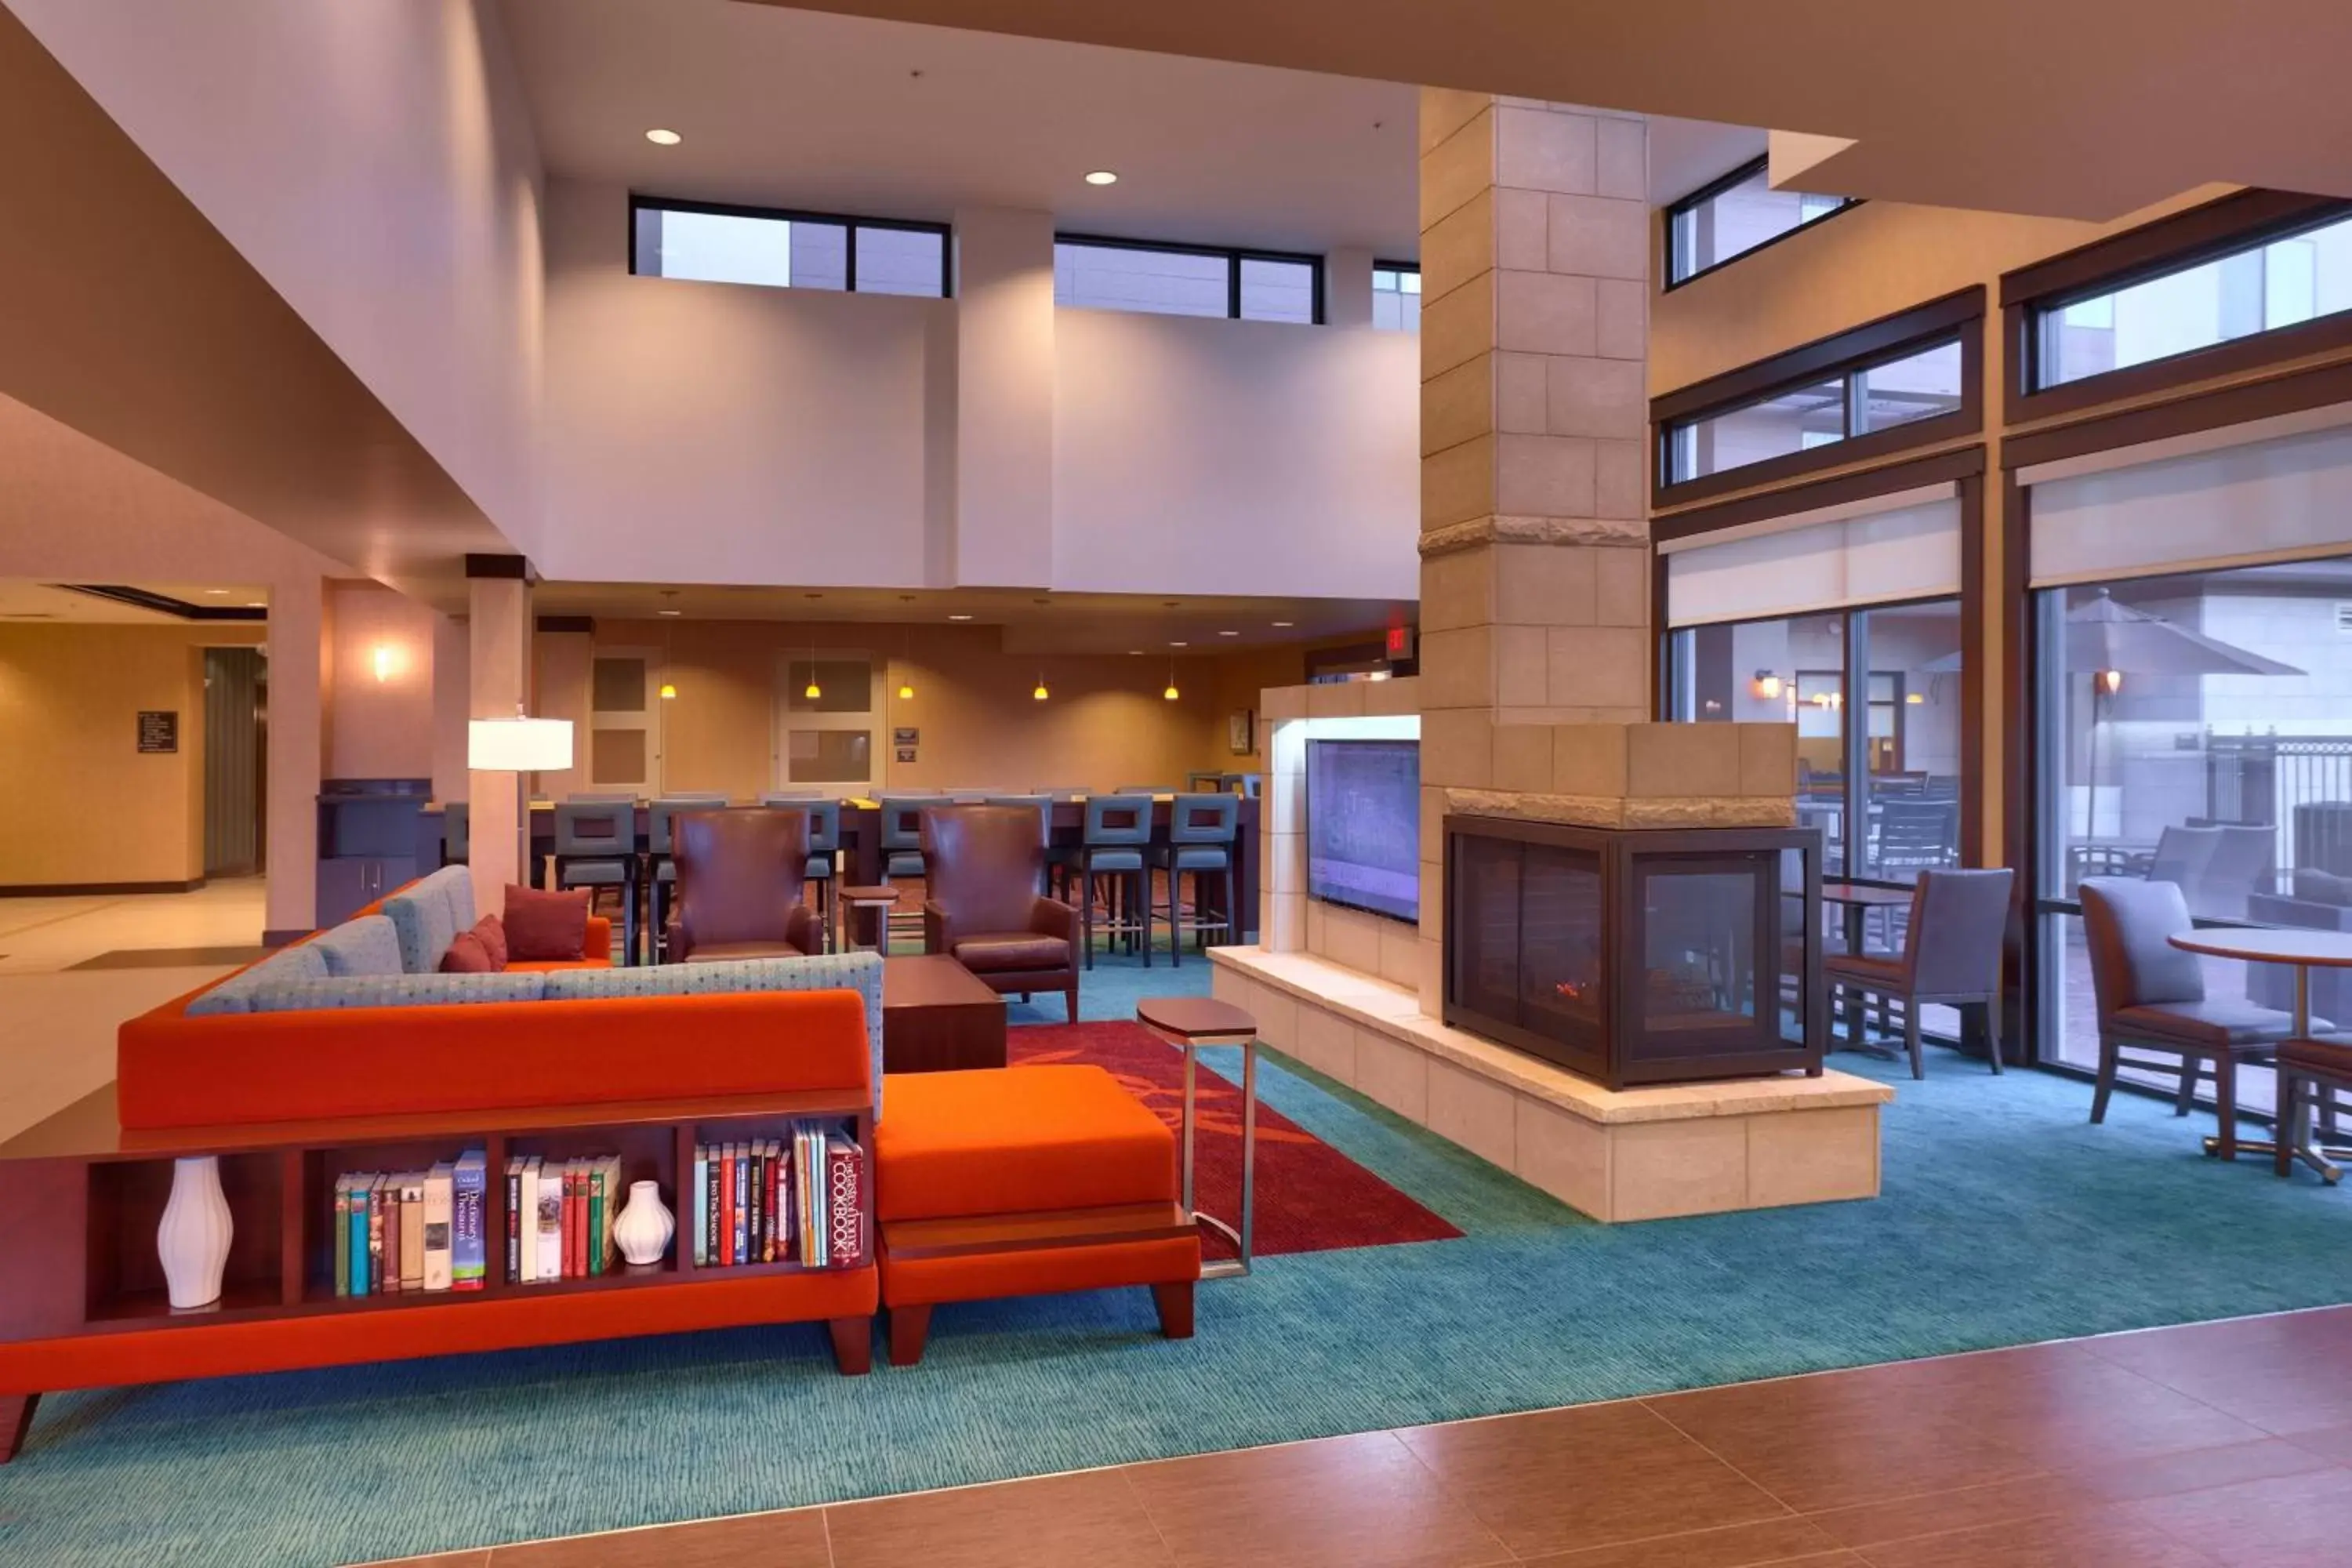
(2151, 997)
(985, 865)
(1951, 954)
(739, 876)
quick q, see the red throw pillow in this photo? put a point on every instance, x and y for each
(546, 928)
(493, 934)
(468, 955)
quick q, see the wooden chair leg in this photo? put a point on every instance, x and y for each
(17, 1413)
(1911, 1037)
(2290, 1123)
(853, 1344)
(2104, 1085)
(2185, 1100)
(2225, 1101)
(910, 1327)
(1175, 1304)
(1993, 1031)
(1070, 995)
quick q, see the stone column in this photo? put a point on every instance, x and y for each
(499, 670)
(1536, 644)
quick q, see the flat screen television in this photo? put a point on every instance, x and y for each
(1363, 826)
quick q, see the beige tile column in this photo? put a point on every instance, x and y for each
(1535, 258)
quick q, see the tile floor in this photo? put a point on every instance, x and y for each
(57, 1020)
(2215, 1444)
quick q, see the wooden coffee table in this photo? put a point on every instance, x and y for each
(936, 1017)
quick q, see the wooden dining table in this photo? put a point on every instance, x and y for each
(2302, 951)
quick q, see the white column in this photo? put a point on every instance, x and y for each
(1348, 288)
(1005, 398)
(499, 670)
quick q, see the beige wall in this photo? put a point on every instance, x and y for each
(1105, 724)
(93, 809)
(378, 726)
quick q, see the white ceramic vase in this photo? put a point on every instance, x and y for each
(193, 1238)
(643, 1230)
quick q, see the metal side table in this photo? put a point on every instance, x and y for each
(1188, 1023)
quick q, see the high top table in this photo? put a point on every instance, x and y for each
(2303, 951)
(1189, 1023)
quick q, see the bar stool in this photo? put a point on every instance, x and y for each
(596, 848)
(900, 839)
(661, 866)
(1201, 829)
(457, 834)
(824, 852)
(1117, 843)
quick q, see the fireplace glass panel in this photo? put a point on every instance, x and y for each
(1486, 923)
(1563, 962)
(1700, 934)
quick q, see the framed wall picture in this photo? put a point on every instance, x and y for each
(1241, 732)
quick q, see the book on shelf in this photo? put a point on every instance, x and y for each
(412, 1231)
(549, 1183)
(343, 1235)
(513, 1211)
(468, 1260)
(439, 1183)
(378, 1206)
(779, 1200)
(691, 1222)
(845, 1165)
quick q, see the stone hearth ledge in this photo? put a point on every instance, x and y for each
(1615, 1155)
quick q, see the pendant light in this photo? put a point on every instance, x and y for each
(1041, 693)
(668, 692)
(906, 680)
(813, 691)
(1171, 694)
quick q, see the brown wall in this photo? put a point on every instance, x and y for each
(91, 807)
(1105, 724)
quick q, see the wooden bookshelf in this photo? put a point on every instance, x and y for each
(82, 1292)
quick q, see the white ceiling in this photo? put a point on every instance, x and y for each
(23, 602)
(1030, 621)
(803, 109)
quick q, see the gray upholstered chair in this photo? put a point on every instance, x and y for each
(2151, 995)
(1951, 954)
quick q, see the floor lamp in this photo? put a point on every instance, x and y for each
(521, 745)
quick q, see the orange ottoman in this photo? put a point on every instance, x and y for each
(1024, 1182)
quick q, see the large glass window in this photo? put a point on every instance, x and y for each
(2270, 284)
(703, 243)
(1733, 215)
(1187, 281)
(1396, 295)
(2196, 729)
(1915, 384)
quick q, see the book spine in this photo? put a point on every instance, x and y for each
(468, 1263)
(694, 1206)
(437, 1198)
(845, 1171)
(726, 1240)
(412, 1231)
(575, 1221)
(514, 1221)
(375, 1235)
(742, 1252)
(550, 1221)
(343, 1235)
(596, 1201)
(359, 1235)
(710, 1206)
(755, 1216)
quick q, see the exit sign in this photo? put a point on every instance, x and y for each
(1399, 643)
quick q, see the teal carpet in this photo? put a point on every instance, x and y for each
(2006, 1219)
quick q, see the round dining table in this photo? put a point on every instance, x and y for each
(2302, 951)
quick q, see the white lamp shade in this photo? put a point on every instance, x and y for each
(518, 746)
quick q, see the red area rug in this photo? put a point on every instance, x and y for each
(1310, 1197)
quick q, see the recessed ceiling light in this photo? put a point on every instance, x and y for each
(661, 138)
(1180, 645)
(1229, 633)
(1135, 651)
(673, 612)
(1102, 177)
(217, 593)
(256, 604)
(1285, 623)
(958, 617)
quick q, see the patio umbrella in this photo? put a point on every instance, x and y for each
(2102, 635)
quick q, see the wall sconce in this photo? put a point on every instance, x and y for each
(1766, 685)
(2110, 681)
(387, 662)
(1915, 698)
(1713, 706)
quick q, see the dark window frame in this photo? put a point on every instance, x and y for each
(1668, 282)
(1232, 256)
(1842, 355)
(1411, 267)
(2228, 226)
(847, 221)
